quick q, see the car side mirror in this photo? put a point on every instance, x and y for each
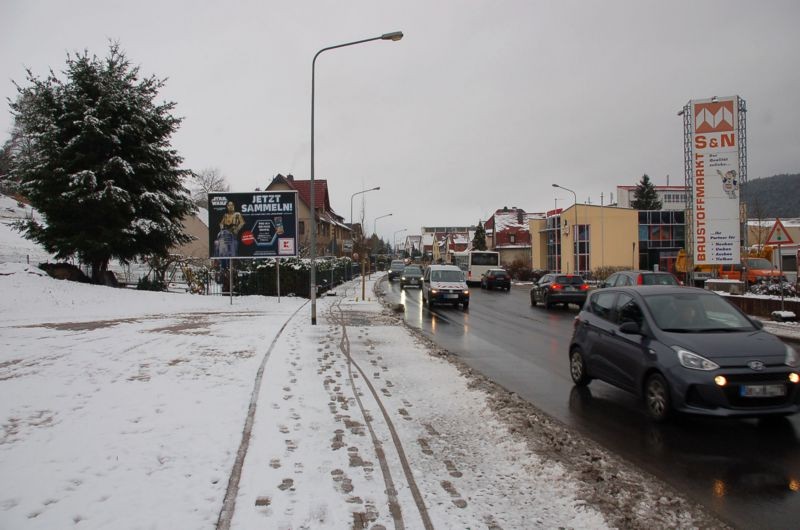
(630, 328)
(758, 324)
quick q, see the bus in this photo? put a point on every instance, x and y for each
(475, 263)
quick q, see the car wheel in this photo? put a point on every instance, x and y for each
(546, 301)
(430, 303)
(466, 305)
(577, 369)
(656, 398)
(533, 299)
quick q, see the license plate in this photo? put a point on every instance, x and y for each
(763, 390)
(568, 288)
(451, 296)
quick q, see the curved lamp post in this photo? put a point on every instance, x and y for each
(575, 237)
(375, 223)
(394, 36)
(376, 188)
(395, 238)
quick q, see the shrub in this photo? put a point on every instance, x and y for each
(774, 288)
(146, 284)
(519, 271)
(601, 273)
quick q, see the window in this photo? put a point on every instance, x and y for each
(512, 238)
(582, 249)
(628, 310)
(602, 303)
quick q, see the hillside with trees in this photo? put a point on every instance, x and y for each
(775, 196)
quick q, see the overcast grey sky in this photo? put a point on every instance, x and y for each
(481, 105)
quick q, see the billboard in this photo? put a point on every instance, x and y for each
(715, 180)
(259, 224)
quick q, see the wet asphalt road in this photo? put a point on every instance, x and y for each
(745, 471)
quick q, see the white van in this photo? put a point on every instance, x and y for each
(444, 284)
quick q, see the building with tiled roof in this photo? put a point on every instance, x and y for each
(332, 231)
(508, 232)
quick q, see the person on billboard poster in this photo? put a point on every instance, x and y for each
(227, 243)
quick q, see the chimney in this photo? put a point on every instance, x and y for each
(290, 178)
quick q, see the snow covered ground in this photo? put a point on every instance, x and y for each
(128, 409)
(125, 409)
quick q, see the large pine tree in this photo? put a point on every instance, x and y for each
(645, 196)
(479, 239)
(100, 169)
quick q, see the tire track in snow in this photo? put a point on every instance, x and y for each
(394, 506)
(229, 503)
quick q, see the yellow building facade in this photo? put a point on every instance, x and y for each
(606, 237)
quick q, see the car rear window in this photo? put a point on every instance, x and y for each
(499, 274)
(569, 280)
(659, 279)
(412, 270)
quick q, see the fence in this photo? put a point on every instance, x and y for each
(260, 278)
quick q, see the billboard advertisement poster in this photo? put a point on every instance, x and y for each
(715, 181)
(259, 224)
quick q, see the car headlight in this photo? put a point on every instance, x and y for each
(792, 358)
(466, 291)
(693, 361)
(402, 277)
(434, 291)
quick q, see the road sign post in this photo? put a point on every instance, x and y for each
(779, 236)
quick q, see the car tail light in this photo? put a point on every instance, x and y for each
(640, 280)
(556, 286)
(585, 287)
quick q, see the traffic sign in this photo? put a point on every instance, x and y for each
(778, 235)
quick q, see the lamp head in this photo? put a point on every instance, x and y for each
(395, 36)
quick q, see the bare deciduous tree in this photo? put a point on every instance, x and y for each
(205, 181)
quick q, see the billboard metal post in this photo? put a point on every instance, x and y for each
(278, 278)
(230, 279)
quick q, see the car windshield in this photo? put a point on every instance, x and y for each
(759, 263)
(693, 312)
(569, 280)
(398, 265)
(412, 270)
(447, 276)
(659, 279)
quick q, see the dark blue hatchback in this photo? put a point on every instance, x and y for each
(683, 349)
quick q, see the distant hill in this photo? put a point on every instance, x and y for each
(777, 196)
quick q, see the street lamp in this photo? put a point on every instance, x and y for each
(575, 237)
(395, 238)
(376, 188)
(375, 223)
(393, 36)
